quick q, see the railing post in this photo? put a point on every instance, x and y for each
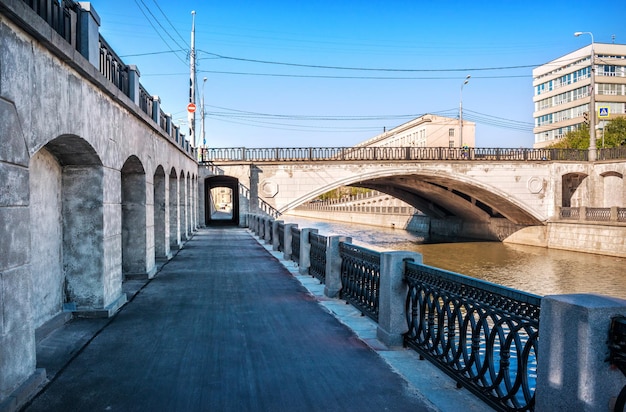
(392, 296)
(614, 214)
(582, 213)
(305, 250)
(287, 252)
(268, 229)
(572, 371)
(133, 83)
(275, 239)
(333, 265)
(89, 34)
(156, 108)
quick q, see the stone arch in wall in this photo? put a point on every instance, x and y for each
(574, 193)
(134, 223)
(613, 189)
(67, 223)
(184, 212)
(161, 216)
(174, 227)
(213, 215)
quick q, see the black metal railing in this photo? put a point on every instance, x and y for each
(281, 238)
(295, 244)
(360, 278)
(318, 256)
(320, 154)
(482, 335)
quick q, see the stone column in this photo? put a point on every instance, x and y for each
(333, 265)
(89, 34)
(268, 229)
(572, 371)
(288, 251)
(305, 250)
(392, 296)
(133, 84)
(275, 239)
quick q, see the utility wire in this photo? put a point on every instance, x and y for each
(155, 29)
(315, 66)
(171, 25)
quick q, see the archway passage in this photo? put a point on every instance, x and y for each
(222, 201)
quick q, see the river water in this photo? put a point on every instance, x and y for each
(537, 270)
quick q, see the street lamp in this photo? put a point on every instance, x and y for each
(202, 113)
(592, 103)
(461, 112)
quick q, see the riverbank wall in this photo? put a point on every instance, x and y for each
(587, 237)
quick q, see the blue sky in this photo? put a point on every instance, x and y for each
(335, 73)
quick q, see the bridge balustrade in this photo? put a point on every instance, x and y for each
(113, 68)
(347, 154)
(57, 15)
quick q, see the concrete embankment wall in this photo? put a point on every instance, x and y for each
(586, 237)
(589, 237)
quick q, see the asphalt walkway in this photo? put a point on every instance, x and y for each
(225, 326)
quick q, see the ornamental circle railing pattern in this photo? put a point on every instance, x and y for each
(483, 335)
(360, 278)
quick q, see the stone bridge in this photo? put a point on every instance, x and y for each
(491, 193)
(97, 185)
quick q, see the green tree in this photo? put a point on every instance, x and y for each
(614, 134)
(575, 139)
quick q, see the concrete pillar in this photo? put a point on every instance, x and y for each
(268, 229)
(133, 83)
(156, 109)
(305, 250)
(333, 265)
(89, 34)
(275, 239)
(288, 251)
(572, 371)
(392, 296)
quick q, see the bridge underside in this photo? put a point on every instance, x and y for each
(441, 198)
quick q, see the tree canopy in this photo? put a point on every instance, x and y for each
(613, 135)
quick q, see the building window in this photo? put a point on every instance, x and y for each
(451, 132)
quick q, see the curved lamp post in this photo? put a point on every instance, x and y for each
(592, 103)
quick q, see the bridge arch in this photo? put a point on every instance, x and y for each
(160, 216)
(174, 201)
(230, 188)
(439, 195)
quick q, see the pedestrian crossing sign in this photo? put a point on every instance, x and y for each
(603, 112)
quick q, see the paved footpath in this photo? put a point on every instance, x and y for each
(224, 326)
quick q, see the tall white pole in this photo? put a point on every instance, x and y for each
(202, 114)
(192, 82)
(461, 112)
(592, 102)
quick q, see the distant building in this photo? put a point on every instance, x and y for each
(562, 86)
(426, 131)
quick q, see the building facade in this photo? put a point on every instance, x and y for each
(562, 91)
(427, 131)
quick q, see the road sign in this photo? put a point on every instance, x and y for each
(191, 107)
(603, 112)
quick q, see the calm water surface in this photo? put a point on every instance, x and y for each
(531, 269)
